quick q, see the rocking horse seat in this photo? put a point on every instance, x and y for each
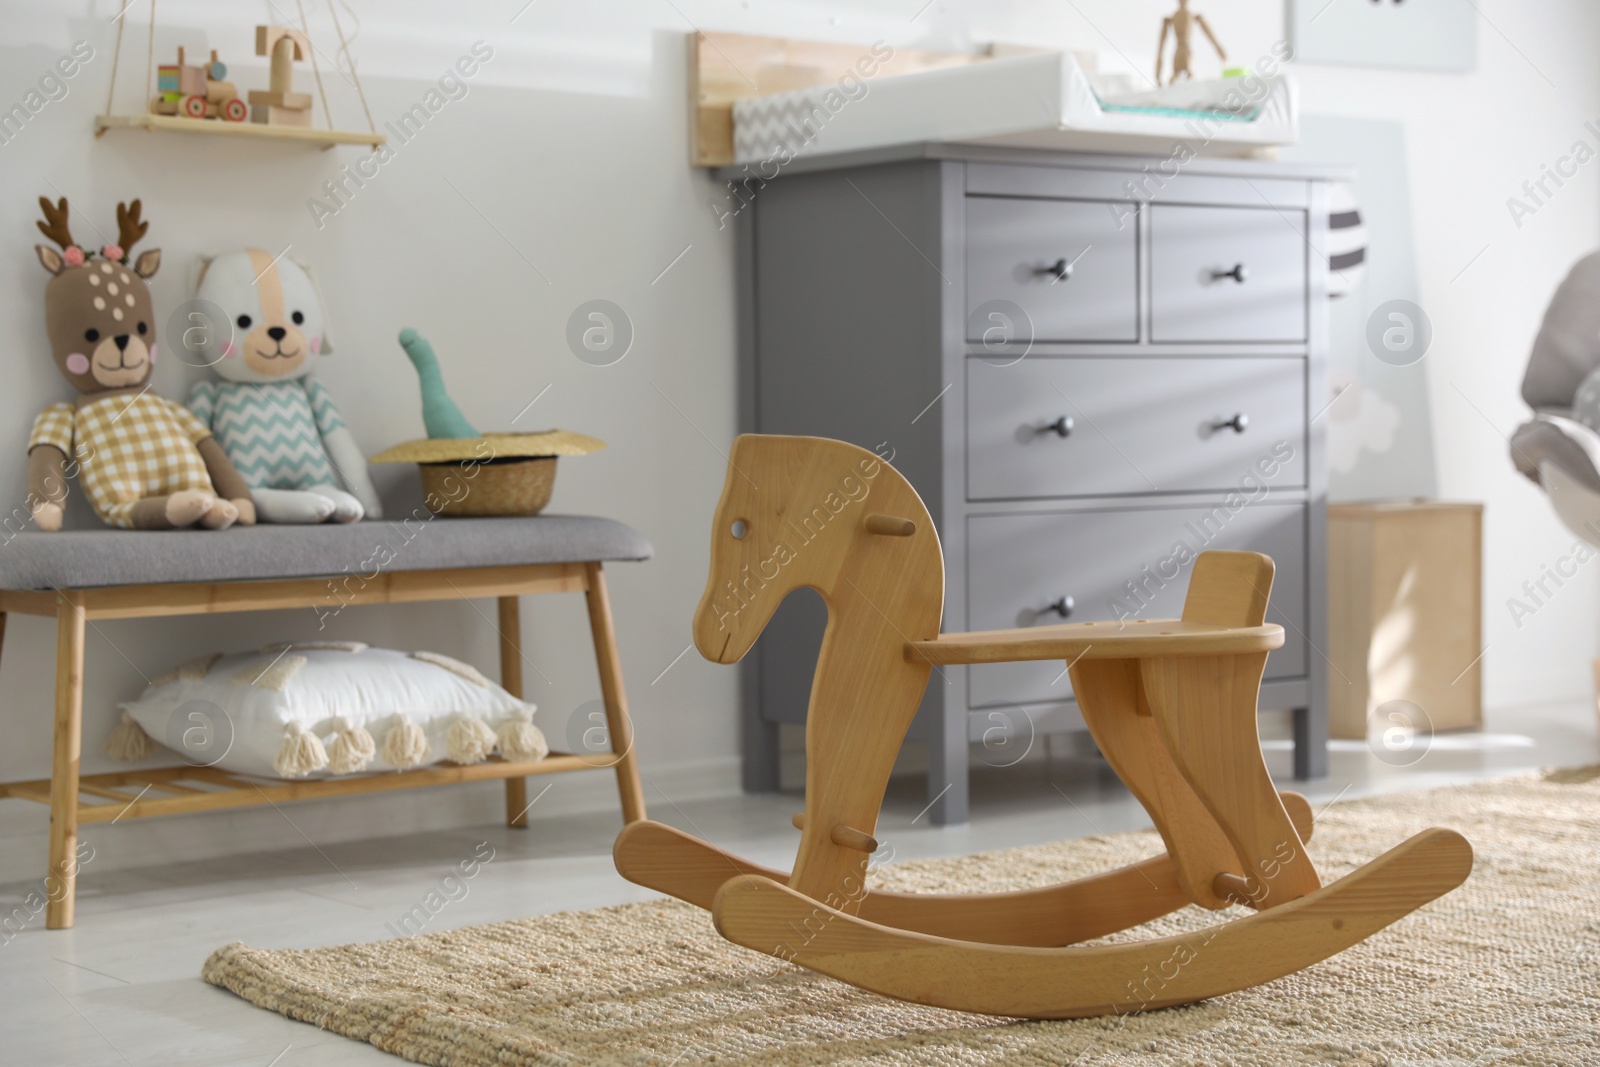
(1111, 639)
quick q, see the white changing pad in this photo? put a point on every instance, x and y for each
(1041, 100)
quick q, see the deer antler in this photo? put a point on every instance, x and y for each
(129, 228)
(55, 215)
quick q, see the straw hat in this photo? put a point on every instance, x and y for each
(490, 446)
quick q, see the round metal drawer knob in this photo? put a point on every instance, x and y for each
(1238, 274)
(1062, 427)
(1237, 424)
(1061, 270)
(1062, 606)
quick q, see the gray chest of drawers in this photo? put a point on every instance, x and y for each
(1091, 368)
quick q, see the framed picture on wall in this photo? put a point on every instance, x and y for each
(1437, 35)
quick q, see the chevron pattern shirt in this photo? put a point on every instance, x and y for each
(271, 430)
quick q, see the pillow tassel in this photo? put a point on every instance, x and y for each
(470, 740)
(519, 739)
(128, 742)
(351, 748)
(405, 745)
(301, 752)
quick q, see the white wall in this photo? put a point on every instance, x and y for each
(571, 146)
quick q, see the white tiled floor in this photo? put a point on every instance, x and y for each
(122, 987)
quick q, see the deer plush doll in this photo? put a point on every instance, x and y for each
(144, 462)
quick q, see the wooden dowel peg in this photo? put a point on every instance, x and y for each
(1233, 887)
(889, 526)
(849, 837)
(843, 836)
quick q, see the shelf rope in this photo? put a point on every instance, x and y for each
(316, 71)
(344, 50)
(116, 55)
(150, 61)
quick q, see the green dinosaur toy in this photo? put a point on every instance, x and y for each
(439, 413)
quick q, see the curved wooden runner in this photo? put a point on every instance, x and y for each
(666, 859)
(1065, 983)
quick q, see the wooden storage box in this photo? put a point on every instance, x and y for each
(1405, 606)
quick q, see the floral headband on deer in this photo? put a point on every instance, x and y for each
(55, 226)
(130, 228)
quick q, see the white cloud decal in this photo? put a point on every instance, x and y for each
(1360, 420)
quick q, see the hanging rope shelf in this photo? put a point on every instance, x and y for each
(195, 122)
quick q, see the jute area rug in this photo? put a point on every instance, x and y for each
(1504, 971)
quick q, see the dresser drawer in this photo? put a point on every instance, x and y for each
(1118, 564)
(1227, 274)
(1132, 425)
(1066, 263)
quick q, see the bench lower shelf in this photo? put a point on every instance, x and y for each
(108, 798)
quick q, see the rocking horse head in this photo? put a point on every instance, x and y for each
(808, 511)
(98, 311)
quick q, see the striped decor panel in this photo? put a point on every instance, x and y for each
(1347, 240)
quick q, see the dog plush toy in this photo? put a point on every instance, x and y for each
(144, 461)
(278, 424)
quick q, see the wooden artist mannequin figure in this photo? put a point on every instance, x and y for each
(1182, 23)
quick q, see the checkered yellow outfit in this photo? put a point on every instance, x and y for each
(126, 449)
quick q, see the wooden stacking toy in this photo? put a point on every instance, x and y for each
(279, 104)
(1170, 702)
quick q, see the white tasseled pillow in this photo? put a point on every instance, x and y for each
(315, 710)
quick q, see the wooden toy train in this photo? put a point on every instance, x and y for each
(197, 92)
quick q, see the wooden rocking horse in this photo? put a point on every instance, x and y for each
(1171, 703)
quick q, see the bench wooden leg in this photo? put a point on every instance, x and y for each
(61, 881)
(618, 724)
(510, 626)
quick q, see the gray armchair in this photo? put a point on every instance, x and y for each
(1554, 449)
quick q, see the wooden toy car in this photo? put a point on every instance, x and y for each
(197, 92)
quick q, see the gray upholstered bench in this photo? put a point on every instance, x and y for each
(83, 575)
